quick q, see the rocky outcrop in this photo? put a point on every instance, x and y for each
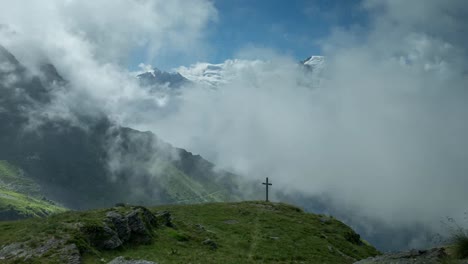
(101, 236)
(55, 249)
(431, 256)
(122, 225)
(140, 229)
(125, 226)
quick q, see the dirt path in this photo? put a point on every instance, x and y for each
(255, 237)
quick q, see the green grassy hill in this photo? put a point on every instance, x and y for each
(245, 232)
(20, 197)
(13, 178)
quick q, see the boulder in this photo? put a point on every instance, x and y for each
(113, 240)
(135, 226)
(102, 237)
(135, 223)
(148, 217)
(140, 229)
(120, 225)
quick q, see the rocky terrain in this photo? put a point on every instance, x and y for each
(66, 241)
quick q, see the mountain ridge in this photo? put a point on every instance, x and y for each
(214, 74)
(105, 163)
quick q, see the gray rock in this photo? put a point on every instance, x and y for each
(149, 217)
(12, 251)
(113, 241)
(102, 237)
(211, 243)
(431, 256)
(120, 224)
(140, 233)
(135, 223)
(122, 260)
(55, 248)
(70, 254)
(135, 226)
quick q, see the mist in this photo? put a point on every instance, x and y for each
(383, 135)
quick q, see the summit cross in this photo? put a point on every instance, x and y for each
(266, 185)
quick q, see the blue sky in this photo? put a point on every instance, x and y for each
(291, 27)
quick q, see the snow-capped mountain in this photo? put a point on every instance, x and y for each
(161, 78)
(214, 75)
(314, 62)
(315, 65)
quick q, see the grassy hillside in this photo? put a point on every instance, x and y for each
(13, 178)
(20, 197)
(181, 188)
(246, 232)
(16, 205)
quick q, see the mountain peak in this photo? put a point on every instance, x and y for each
(314, 60)
(158, 77)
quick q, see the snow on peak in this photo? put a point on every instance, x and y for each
(215, 74)
(314, 61)
(154, 76)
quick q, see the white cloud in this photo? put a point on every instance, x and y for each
(108, 30)
(89, 42)
(384, 135)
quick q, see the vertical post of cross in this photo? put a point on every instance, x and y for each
(266, 185)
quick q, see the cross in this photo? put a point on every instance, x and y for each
(266, 185)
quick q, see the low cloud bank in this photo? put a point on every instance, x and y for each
(384, 135)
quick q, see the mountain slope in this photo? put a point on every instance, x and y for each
(247, 232)
(21, 197)
(88, 161)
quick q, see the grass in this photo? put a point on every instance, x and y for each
(25, 205)
(184, 189)
(460, 244)
(20, 196)
(8, 170)
(245, 232)
(13, 178)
